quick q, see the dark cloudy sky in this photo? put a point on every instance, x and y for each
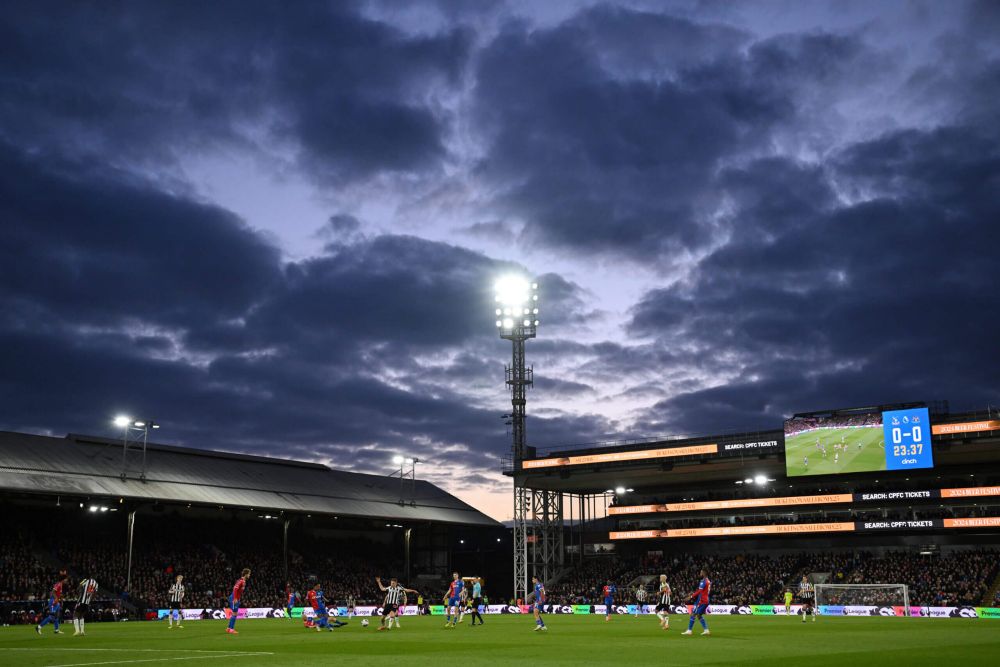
(274, 226)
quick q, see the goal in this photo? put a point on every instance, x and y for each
(864, 595)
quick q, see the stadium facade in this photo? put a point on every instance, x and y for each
(743, 492)
(80, 502)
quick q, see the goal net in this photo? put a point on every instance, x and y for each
(877, 596)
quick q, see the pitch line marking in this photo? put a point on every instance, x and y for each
(209, 654)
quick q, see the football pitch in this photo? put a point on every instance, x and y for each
(508, 640)
(869, 456)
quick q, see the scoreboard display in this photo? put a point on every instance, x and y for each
(852, 441)
(907, 439)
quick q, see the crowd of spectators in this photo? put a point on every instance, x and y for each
(803, 424)
(956, 579)
(22, 575)
(209, 554)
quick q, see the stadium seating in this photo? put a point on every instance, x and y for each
(958, 578)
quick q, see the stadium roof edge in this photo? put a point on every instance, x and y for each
(216, 453)
(84, 466)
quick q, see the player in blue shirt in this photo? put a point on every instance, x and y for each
(538, 594)
(291, 597)
(55, 605)
(453, 599)
(609, 599)
(700, 598)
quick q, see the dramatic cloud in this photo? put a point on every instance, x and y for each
(275, 227)
(349, 97)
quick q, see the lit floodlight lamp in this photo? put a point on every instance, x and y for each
(527, 323)
(760, 480)
(748, 480)
(122, 420)
(512, 291)
(499, 312)
(410, 461)
(155, 425)
(499, 323)
(610, 491)
(629, 490)
(620, 490)
(508, 323)
(536, 323)
(397, 459)
(139, 424)
(93, 508)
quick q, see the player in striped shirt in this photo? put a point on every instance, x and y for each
(640, 599)
(394, 595)
(663, 604)
(700, 598)
(55, 605)
(176, 595)
(463, 603)
(84, 596)
(234, 600)
(806, 595)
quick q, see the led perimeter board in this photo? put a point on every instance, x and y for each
(858, 442)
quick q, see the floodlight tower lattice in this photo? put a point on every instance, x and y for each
(536, 512)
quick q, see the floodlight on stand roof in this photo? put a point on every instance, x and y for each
(397, 459)
(122, 420)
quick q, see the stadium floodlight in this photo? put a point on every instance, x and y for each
(760, 480)
(397, 459)
(122, 420)
(620, 490)
(610, 491)
(748, 480)
(139, 423)
(516, 300)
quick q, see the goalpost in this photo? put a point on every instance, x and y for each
(863, 595)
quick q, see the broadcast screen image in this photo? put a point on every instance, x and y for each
(847, 443)
(835, 444)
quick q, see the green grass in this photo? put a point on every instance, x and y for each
(869, 457)
(506, 640)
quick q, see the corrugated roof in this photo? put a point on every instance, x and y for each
(88, 466)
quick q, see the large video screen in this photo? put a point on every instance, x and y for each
(858, 442)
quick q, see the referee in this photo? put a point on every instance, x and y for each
(477, 600)
(85, 595)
